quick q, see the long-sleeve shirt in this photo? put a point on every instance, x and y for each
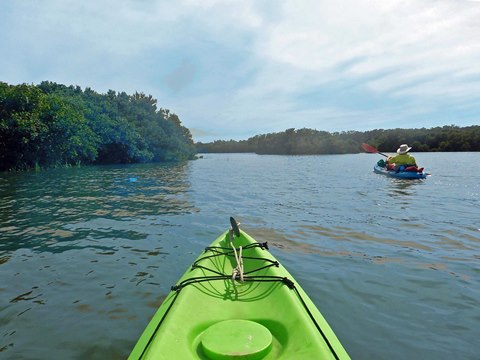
(403, 159)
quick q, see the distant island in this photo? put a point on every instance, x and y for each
(50, 125)
(313, 142)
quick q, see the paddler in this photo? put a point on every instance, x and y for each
(403, 160)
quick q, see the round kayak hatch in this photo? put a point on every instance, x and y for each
(236, 339)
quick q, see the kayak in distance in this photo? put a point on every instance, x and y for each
(238, 302)
(409, 172)
(400, 174)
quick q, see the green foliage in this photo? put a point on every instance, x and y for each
(55, 125)
(310, 142)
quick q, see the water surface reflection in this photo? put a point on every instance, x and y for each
(40, 210)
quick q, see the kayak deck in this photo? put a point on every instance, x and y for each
(409, 175)
(209, 315)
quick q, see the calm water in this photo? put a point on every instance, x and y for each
(87, 255)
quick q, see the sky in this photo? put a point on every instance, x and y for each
(235, 69)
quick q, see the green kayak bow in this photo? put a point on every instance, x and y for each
(237, 302)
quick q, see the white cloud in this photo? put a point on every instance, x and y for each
(397, 42)
(234, 67)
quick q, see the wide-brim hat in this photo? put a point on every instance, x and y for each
(403, 149)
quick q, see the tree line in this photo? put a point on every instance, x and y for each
(50, 125)
(312, 142)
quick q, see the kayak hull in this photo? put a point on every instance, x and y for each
(408, 175)
(265, 316)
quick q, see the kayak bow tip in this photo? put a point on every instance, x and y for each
(234, 224)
